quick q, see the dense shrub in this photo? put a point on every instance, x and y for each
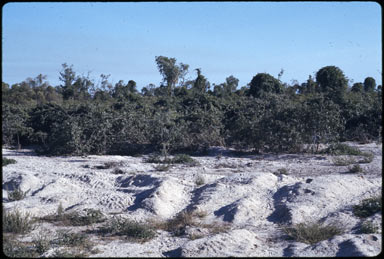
(7, 161)
(368, 207)
(311, 233)
(266, 115)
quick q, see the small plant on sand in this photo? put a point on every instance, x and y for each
(281, 171)
(177, 159)
(118, 226)
(199, 180)
(368, 227)
(16, 249)
(163, 167)
(41, 243)
(8, 161)
(338, 149)
(311, 233)
(367, 207)
(16, 194)
(368, 158)
(343, 161)
(17, 222)
(91, 216)
(111, 164)
(356, 169)
(117, 171)
(184, 159)
(178, 225)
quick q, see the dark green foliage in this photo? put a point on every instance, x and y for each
(312, 233)
(125, 227)
(264, 83)
(17, 222)
(368, 207)
(338, 149)
(8, 161)
(369, 84)
(185, 116)
(332, 82)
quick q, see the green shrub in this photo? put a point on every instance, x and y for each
(91, 216)
(368, 227)
(16, 222)
(338, 149)
(368, 158)
(311, 233)
(163, 168)
(8, 161)
(16, 195)
(67, 238)
(367, 207)
(183, 159)
(343, 161)
(356, 169)
(199, 180)
(16, 249)
(125, 227)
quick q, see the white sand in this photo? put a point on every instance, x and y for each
(245, 193)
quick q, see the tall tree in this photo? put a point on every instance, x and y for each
(264, 83)
(332, 82)
(170, 71)
(369, 84)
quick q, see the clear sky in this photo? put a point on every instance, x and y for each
(222, 38)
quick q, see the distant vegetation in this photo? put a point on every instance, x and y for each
(82, 117)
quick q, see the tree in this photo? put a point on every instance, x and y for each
(264, 83)
(201, 84)
(170, 71)
(67, 76)
(332, 82)
(357, 88)
(369, 84)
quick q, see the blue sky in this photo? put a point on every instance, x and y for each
(222, 38)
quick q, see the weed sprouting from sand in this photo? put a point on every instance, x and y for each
(338, 149)
(7, 161)
(367, 207)
(199, 180)
(16, 194)
(356, 169)
(177, 159)
(343, 161)
(311, 233)
(118, 226)
(368, 227)
(17, 222)
(91, 216)
(178, 225)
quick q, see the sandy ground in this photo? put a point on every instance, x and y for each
(246, 194)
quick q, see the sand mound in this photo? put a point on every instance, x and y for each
(246, 194)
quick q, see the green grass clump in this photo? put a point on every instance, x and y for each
(368, 227)
(367, 207)
(16, 195)
(131, 229)
(368, 158)
(183, 159)
(311, 233)
(356, 169)
(91, 216)
(16, 222)
(177, 159)
(7, 161)
(16, 249)
(339, 149)
(343, 161)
